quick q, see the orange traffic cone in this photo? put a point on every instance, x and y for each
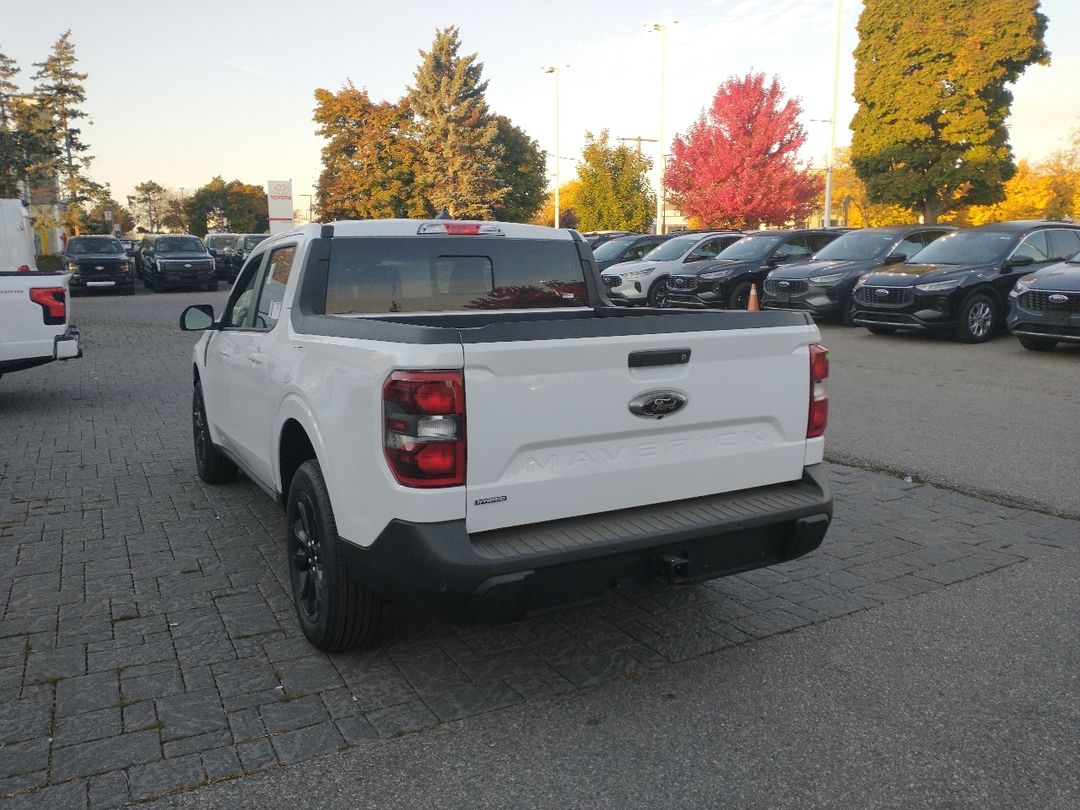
(752, 302)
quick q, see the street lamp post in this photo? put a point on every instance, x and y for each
(556, 69)
(832, 120)
(662, 28)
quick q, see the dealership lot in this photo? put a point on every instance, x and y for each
(148, 641)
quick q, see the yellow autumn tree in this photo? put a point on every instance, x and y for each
(568, 194)
(1028, 195)
(850, 192)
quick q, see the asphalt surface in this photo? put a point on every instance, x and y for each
(924, 656)
(991, 418)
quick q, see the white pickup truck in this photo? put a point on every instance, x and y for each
(34, 307)
(454, 415)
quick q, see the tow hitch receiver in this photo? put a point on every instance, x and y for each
(673, 568)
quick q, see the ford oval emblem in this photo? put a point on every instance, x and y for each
(657, 404)
(1058, 298)
(881, 293)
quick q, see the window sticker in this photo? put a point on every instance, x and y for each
(275, 310)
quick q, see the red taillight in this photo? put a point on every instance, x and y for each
(53, 301)
(424, 427)
(23, 268)
(819, 399)
(462, 229)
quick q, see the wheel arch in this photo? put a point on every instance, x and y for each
(298, 440)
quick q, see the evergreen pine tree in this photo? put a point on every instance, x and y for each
(456, 135)
(59, 91)
(522, 171)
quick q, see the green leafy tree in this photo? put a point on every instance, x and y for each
(614, 193)
(456, 135)
(246, 207)
(95, 215)
(522, 171)
(369, 160)
(59, 91)
(206, 207)
(931, 82)
(149, 205)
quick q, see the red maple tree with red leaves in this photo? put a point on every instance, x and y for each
(737, 167)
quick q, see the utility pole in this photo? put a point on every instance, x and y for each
(639, 141)
(832, 121)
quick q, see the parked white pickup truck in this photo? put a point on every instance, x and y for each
(455, 416)
(34, 309)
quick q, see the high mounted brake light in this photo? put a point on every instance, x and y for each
(460, 229)
(819, 398)
(424, 427)
(53, 302)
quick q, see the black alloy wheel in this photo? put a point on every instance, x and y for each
(213, 467)
(658, 292)
(739, 297)
(335, 612)
(977, 318)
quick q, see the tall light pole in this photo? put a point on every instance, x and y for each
(556, 69)
(832, 120)
(662, 28)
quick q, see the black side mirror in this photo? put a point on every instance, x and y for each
(197, 318)
(1019, 261)
(896, 258)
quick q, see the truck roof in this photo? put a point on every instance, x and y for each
(411, 227)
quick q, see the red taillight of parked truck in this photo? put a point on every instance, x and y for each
(424, 427)
(819, 398)
(53, 302)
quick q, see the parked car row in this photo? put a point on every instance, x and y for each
(230, 251)
(969, 284)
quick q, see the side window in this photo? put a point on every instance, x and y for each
(637, 251)
(1064, 244)
(910, 245)
(273, 291)
(929, 236)
(820, 240)
(236, 315)
(1034, 245)
(706, 250)
(794, 248)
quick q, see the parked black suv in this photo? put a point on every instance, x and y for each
(960, 284)
(98, 263)
(1044, 307)
(822, 284)
(725, 281)
(627, 248)
(175, 260)
(233, 255)
(215, 246)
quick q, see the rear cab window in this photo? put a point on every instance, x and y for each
(372, 275)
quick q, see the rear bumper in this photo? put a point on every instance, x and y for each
(513, 574)
(65, 347)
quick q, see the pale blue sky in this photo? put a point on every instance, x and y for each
(180, 92)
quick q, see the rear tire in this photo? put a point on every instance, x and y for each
(335, 612)
(1034, 344)
(213, 467)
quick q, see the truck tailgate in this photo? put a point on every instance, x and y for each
(551, 433)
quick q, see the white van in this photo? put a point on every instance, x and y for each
(16, 238)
